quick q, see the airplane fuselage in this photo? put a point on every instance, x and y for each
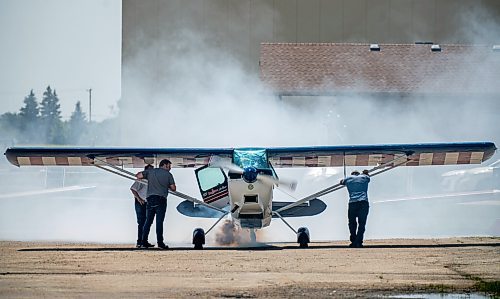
(250, 203)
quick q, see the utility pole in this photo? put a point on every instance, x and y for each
(90, 104)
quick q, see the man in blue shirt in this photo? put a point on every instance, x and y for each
(357, 185)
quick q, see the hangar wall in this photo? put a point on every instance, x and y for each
(239, 26)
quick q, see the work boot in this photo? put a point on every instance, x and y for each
(162, 245)
(146, 245)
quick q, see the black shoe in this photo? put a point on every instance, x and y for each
(146, 245)
(352, 245)
(162, 246)
(359, 245)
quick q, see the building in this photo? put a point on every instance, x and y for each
(154, 30)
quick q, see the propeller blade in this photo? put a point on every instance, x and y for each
(225, 164)
(267, 179)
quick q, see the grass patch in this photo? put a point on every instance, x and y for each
(441, 288)
(488, 287)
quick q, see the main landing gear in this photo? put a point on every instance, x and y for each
(303, 237)
(198, 238)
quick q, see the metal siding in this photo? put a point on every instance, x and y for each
(423, 20)
(377, 21)
(215, 20)
(285, 20)
(331, 21)
(400, 22)
(308, 21)
(238, 31)
(261, 29)
(354, 21)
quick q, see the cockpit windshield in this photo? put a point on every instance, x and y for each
(256, 158)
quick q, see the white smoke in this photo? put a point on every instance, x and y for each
(202, 96)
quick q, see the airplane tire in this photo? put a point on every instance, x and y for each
(198, 238)
(303, 237)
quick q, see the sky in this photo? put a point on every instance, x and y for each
(71, 45)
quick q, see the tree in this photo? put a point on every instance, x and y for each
(29, 113)
(29, 119)
(77, 125)
(50, 113)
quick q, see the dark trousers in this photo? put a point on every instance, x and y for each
(140, 212)
(157, 205)
(357, 210)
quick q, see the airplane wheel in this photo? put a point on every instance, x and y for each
(253, 236)
(303, 237)
(198, 238)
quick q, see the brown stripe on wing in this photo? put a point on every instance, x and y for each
(36, 161)
(62, 161)
(438, 158)
(464, 158)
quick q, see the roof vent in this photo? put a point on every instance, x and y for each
(374, 47)
(496, 48)
(436, 48)
(424, 43)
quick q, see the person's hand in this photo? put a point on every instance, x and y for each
(140, 201)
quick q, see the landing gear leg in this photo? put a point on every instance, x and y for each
(303, 237)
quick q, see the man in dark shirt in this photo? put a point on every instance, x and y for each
(357, 185)
(160, 180)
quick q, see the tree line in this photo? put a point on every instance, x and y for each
(40, 123)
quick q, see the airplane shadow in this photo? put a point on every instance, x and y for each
(263, 247)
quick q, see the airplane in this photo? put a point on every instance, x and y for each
(239, 182)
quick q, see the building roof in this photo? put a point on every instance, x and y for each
(330, 68)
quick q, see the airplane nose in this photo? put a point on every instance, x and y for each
(249, 174)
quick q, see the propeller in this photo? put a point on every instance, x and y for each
(250, 174)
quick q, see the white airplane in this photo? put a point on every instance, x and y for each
(240, 181)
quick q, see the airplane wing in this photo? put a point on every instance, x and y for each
(122, 157)
(316, 156)
(373, 155)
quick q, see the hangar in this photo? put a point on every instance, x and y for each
(153, 30)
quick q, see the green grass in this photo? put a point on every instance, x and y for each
(488, 287)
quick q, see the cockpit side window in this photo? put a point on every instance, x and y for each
(210, 177)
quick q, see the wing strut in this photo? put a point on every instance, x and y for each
(131, 176)
(377, 170)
